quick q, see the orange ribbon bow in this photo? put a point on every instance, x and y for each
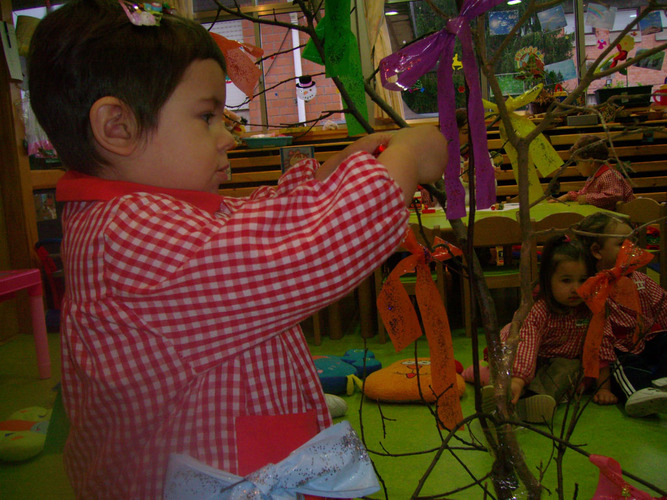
(241, 70)
(612, 283)
(402, 323)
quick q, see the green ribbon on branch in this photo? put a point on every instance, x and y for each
(342, 59)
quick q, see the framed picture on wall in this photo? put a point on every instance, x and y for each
(291, 155)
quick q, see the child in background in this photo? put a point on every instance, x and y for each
(180, 320)
(638, 370)
(548, 357)
(604, 185)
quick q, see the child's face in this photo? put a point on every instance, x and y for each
(188, 150)
(586, 167)
(607, 252)
(464, 135)
(567, 277)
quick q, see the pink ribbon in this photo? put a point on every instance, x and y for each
(400, 70)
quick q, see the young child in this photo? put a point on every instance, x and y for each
(548, 357)
(604, 185)
(638, 370)
(180, 321)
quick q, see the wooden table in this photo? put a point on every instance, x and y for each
(538, 212)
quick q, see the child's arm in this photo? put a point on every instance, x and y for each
(413, 155)
(564, 197)
(603, 395)
(369, 144)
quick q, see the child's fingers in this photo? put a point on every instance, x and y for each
(371, 143)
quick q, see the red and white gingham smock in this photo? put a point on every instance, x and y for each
(545, 334)
(604, 188)
(182, 311)
(622, 321)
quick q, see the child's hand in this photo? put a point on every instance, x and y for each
(581, 199)
(604, 397)
(563, 197)
(415, 155)
(423, 148)
(517, 388)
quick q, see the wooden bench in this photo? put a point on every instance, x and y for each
(252, 168)
(645, 152)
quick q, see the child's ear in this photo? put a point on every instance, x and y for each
(114, 125)
(595, 251)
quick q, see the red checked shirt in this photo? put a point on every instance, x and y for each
(182, 311)
(604, 188)
(622, 320)
(545, 334)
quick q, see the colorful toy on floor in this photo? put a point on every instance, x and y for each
(23, 434)
(401, 381)
(337, 405)
(484, 375)
(339, 374)
(612, 485)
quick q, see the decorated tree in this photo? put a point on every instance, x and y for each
(510, 471)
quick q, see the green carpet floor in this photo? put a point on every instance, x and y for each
(640, 445)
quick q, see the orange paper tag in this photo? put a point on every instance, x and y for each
(402, 324)
(441, 349)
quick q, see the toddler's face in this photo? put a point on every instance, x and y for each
(464, 135)
(188, 150)
(567, 277)
(611, 246)
(586, 167)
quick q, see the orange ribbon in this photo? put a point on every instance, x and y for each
(611, 283)
(400, 318)
(241, 70)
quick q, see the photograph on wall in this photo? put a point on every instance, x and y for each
(600, 16)
(602, 38)
(292, 155)
(509, 84)
(651, 62)
(552, 19)
(652, 23)
(565, 70)
(501, 22)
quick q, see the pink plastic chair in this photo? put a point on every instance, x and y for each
(30, 279)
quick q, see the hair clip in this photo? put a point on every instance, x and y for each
(145, 14)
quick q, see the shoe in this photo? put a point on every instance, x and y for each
(538, 409)
(660, 383)
(337, 405)
(646, 402)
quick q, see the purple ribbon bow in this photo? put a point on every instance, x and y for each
(406, 66)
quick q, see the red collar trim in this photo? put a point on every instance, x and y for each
(601, 171)
(75, 186)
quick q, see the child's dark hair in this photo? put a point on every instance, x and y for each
(598, 223)
(556, 250)
(88, 49)
(461, 117)
(590, 147)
